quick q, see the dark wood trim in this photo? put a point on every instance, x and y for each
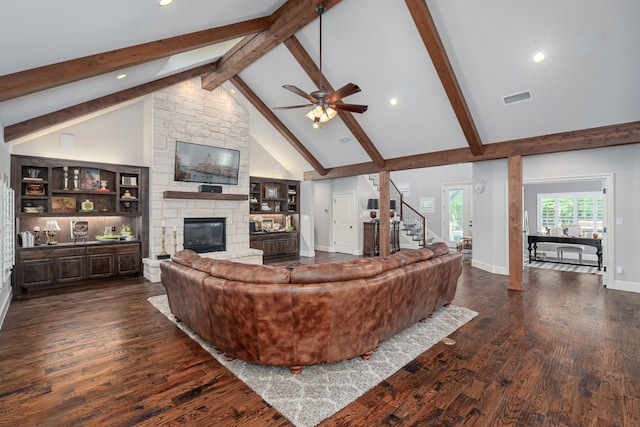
(601, 137)
(268, 114)
(515, 223)
(37, 79)
(285, 22)
(431, 39)
(203, 196)
(21, 129)
(385, 216)
(312, 70)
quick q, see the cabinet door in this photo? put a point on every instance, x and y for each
(292, 244)
(128, 262)
(269, 247)
(70, 268)
(100, 265)
(36, 272)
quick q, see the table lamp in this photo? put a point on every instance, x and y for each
(50, 231)
(373, 204)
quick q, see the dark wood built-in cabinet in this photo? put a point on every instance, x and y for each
(274, 200)
(75, 191)
(273, 196)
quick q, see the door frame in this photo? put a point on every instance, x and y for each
(466, 186)
(608, 262)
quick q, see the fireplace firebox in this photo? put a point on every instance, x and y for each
(205, 234)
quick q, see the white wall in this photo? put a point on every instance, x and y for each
(5, 171)
(490, 247)
(263, 164)
(113, 137)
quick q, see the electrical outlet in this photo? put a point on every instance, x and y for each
(618, 270)
(618, 221)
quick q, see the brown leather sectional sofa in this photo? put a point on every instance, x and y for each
(311, 314)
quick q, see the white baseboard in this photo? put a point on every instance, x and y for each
(308, 253)
(5, 300)
(621, 285)
(490, 268)
(324, 248)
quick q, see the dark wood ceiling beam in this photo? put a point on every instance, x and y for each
(431, 39)
(285, 22)
(245, 90)
(36, 79)
(27, 127)
(601, 137)
(312, 70)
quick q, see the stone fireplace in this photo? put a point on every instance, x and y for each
(186, 112)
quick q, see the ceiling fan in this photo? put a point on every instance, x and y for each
(325, 104)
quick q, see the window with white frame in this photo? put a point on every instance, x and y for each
(561, 209)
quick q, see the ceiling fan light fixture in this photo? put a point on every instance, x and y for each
(321, 114)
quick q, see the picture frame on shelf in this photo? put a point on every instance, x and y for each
(89, 179)
(267, 224)
(63, 204)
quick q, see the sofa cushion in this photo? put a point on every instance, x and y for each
(185, 257)
(251, 273)
(360, 268)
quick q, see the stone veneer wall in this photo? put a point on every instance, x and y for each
(186, 112)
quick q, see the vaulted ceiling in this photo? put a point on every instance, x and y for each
(448, 64)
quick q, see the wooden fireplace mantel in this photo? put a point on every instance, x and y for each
(203, 196)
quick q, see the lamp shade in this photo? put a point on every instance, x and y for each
(373, 204)
(52, 225)
(392, 204)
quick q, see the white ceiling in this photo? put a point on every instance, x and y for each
(376, 45)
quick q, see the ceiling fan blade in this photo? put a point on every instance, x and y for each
(293, 106)
(353, 108)
(343, 92)
(300, 92)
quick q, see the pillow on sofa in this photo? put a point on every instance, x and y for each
(360, 268)
(250, 273)
(185, 257)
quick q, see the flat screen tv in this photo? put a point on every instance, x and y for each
(206, 164)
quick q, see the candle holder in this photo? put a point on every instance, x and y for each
(163, 253)
(76, 179)
(66, 177)
(175, 242)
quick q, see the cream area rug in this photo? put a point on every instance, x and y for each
(321, 391)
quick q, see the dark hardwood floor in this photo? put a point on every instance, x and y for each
(565, 352)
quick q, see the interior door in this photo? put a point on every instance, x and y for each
(344, 222)
(457, 212)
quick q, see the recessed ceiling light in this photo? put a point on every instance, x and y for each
(316, 125)
(121, 76)
(164, 2)
(393, 101)
(538, 57)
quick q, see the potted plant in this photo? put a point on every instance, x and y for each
(125, 230)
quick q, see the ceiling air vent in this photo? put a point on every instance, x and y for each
(517, 97)
(344, 139)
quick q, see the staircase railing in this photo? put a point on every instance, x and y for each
(414, 223)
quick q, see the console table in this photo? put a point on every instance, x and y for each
(533, 241)
(371, 238)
